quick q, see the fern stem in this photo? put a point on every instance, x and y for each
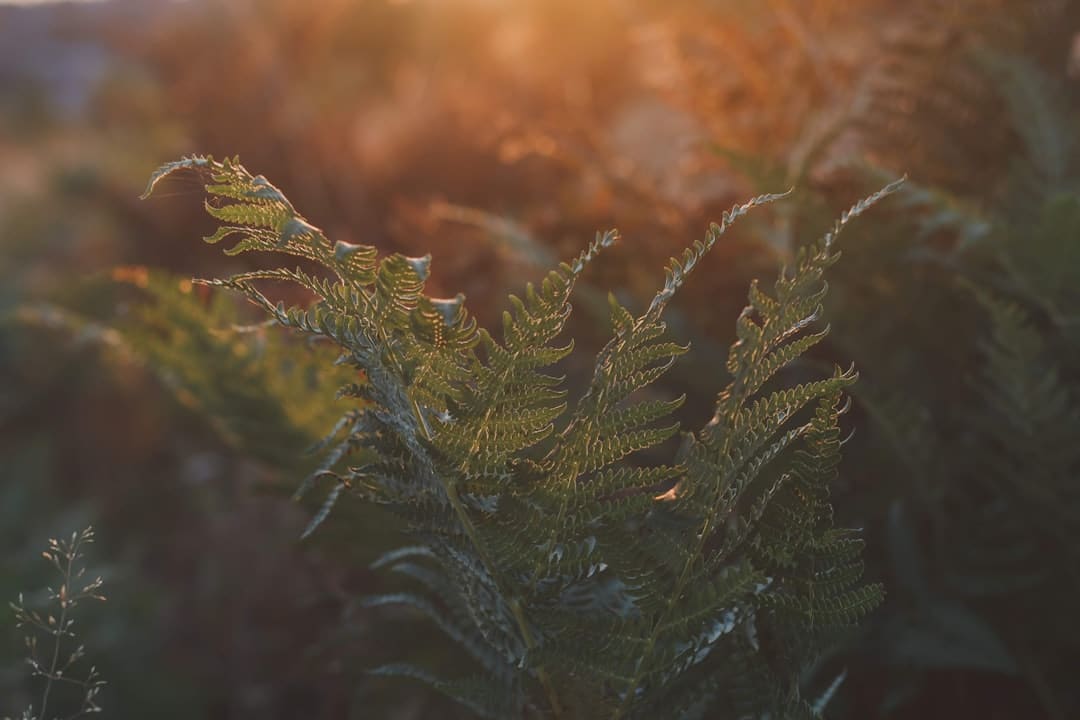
(680, 585)
(515, 604)
(541, 671)
(418, 411)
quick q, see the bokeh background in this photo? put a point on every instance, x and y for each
(499, 135)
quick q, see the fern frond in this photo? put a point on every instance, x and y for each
(732, 454)
(1029, 422)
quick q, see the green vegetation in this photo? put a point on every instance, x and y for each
(178, 419)
(618, 590)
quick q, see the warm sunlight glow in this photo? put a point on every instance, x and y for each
(473, 358)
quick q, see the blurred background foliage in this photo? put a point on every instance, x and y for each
(499, 136)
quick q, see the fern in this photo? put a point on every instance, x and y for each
(1027, 422)
(934, 101)
(253, 387)
(581, 584)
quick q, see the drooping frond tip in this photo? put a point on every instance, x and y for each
(193, 162)
(249, 206)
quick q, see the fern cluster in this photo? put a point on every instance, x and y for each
(1026, 428)
(931, 101)
(979, 410)
(582, 584)
(253, 387)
